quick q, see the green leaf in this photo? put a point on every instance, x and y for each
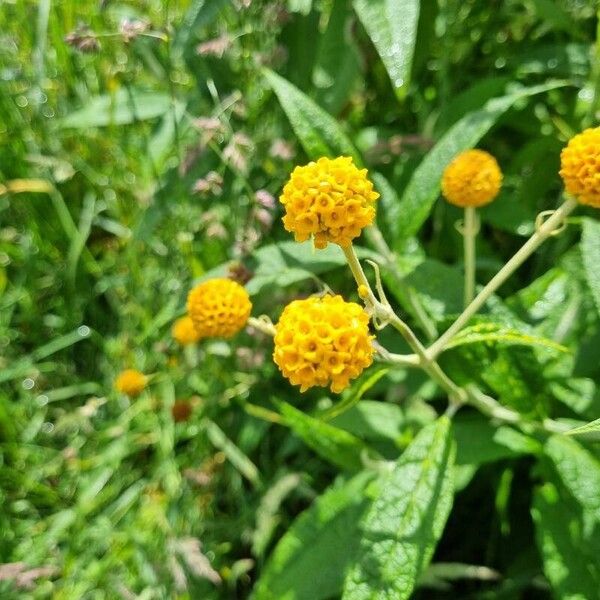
(331, 443)
(120, 108)
(310, 560)
(556, 60)
(337, 66)
(514, 375)
(61, 342)
(591, 430)
(388, 209)
(424, 186)
(579, 394)
(268, 513)
(318, 132)
(300, 6)
(470, 100)
(590, 252)
(199, 14)
(570, 560)
(439, 575)
(375, 420)
(496, 333)
(392, 27)
(406, 519)
(173, 126)
(556, 16)
(478, 441)
(439, 286)
(237, 458)
(354, 397)
(525, 182)
(285, 263)
(579, 472)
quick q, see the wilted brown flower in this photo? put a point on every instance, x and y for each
(239, 272)
(181, 410)
(264, 217)
(281, 149)
(23, 576)
(210, 222)
(132, 28)
(249, 359)
(83, 39)
(217, 231)
(215, 47)
(211, 183)
(209, 127)
(246, 241)
(236, 151)
(265, 199)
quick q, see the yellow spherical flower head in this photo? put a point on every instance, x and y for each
(580, 167)
(184, 332)
(473, 178)
(131, 382)
(323, 341)
(331, 200)
(218, 308)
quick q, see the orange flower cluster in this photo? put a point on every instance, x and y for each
(184, 332)
(473, 178)
(323, 341)
(331, 200)
(580, 167)
(131, 382)
(218, 308)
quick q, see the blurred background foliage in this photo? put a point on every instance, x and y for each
(143, 147)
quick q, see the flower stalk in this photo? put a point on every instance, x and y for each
(543, 232)
(469, 230)
(262, 324)
(382, 313)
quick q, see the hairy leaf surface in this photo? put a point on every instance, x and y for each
(406, 519)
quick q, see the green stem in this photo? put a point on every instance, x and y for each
(385, 314)
(544, 231)
(406, 294)
(262, 324)
(403, 360)
(469, 232)
(595, 103)
(493, 409)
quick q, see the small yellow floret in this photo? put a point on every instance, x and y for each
(473, 178)
(323, 341)
(580, 167)
(363, 291)
(330, 200)
(131, 382)
(218, 308)
(184, 332)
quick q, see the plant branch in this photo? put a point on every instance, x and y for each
(543, 232)
(404, 360)
(383, 312)
(263, 324)
(469, 232)
(407, 294)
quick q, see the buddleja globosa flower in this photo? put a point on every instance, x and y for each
(580, 167)
(473, 178)
(322, 341)
(218, 308)
(131, 382)
(331, 200)
(184, 332)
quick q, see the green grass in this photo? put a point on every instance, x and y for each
(101, 237)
